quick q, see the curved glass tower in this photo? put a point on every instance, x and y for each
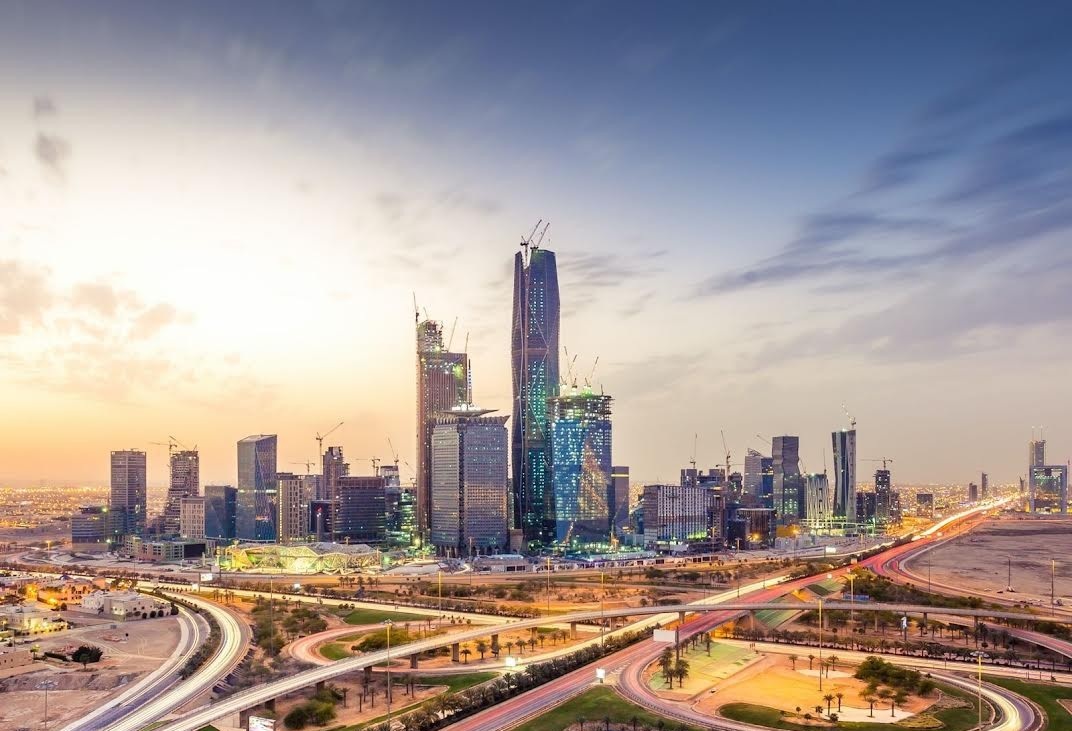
(535, 379)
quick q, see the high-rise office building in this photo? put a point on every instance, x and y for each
(819, 503)
(192, 517)
(127, 505)
(984, 486)
(925, 504)
(256, 509)
(678, 514)
(362, 509)
(185, 481)
(883, 494)
(618, 499)
(1049, 489)
(442, 384)
(220, 501)
(844, 505)
(333, 466)
(1036, 453)
(753, 472)
(293, 499)
(469, 482)
(973, 492)
(788, 483)
(534, 365)
(581, 465)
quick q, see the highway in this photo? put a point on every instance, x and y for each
(135, 713)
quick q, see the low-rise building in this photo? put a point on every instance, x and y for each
(62, 591)
(125, 605)
(14, 658)
(30, 621)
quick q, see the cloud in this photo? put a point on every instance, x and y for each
(153, 320)
(25, 296)
(44, 106)
(101, 298)
(52, 152)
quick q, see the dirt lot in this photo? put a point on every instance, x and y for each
(980, 559)
(130, 651)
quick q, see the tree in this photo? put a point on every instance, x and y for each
(829, 698)
(867, 695)
(681, 671)
(666, 663)
(466, 652)
(833, 663)
(839, 695)
(634, 720)
(86, 654)
(793, 660)
(885, 694)
(811, 658)
(899, 696)
(482, 648)
(581, 721)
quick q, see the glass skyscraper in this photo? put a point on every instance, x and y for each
(788, 483)
(581, 460)
(127, 505)
(256, 510)
(534, 361)
(844, 503)
(184, 481)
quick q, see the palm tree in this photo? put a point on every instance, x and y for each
(898, 697)
(681, 671)
(481, 647)
(839, 695)
(833, 663)
(466, 652)
(810, 659)
(829, 698)
(793, 660)
(606, 723)
(666, 660)
(634, 720)
(532, 644)
(867, 695)
(819, 710)
(581, 721)
(885, 694)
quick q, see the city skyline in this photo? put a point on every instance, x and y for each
(176, 173)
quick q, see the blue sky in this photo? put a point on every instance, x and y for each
(213, 218)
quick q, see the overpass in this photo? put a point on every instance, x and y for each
(256, 696)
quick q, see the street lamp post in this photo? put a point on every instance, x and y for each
(388, 622)
(548, 584)
(602, 619)
(46, 686)
(979, 684)
(1053, 596)
(440, 573)
(820, 644)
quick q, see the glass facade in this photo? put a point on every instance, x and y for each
(256, 509)
(127, 504)
(844, 503)
(535, 369)
(220, 503)
(788, 484)
(185, 481)
(581, 459)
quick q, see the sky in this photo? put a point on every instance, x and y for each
(215, 217)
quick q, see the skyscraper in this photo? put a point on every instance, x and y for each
(618, 500)
(883, 494)
(469, 482)
(442, 384)
(581, 465)
(334, 468)
(185, 482)
(534, 361)
(255, 505)
(293, 501)
(362, 509)
(844, 503)
(818, 502)
(753, 472)
(220, 509)
(788, 484)
(984, 486)
(192, 517)
(127, 504)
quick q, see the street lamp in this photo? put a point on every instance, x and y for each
(46, 686)
(440, 574)
(602, 595)
(388, 622)
(979, 683)
(820, 643)
(1053, 596)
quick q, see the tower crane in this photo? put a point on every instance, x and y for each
(535, 238)
(592, 373)
(852, 419)
(308, 466)
(883, 460)
(321, 437)
(727, 450)
(170, 444)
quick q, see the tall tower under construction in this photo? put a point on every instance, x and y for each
(534, 365)
(442, 384)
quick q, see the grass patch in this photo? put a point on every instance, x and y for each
(595, 705)
(335, 651)
(1044, 694)
(375, 616)
(952, 719)
(459, 682)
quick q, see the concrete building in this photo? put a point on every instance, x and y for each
(679, 514)
(185, 481)
(192, 517)
(90, 529)
(469, 482)
(256, 508)
(925, 504)
(619, 497)
(124, 605)
(788, 483)
(362, 510)
(535, 369)
(581, 463)
(883, 495)
(819, 503)
(334, 467)
(442, 384)
(973, 492)
(11, 657)
(293, 508)
(127, 504)
(844, 505)
(984, 486)
(220, 502)
(1049, 489)
(30, 621)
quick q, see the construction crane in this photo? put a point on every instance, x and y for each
(727, 450)
(535, 238)
(374, 460)
(170, 444)
(308, 466)
(852, 419)
(692, 460)
(571, 382)
(394, 455)
(592, 373)
(321, 437)
(883, 460)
